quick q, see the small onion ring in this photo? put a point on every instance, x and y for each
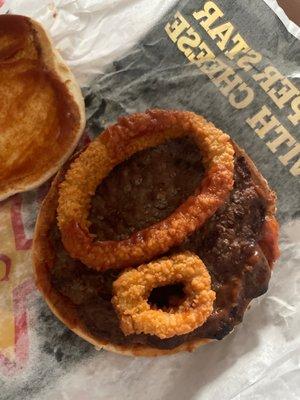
(117, 143)
(133, 287)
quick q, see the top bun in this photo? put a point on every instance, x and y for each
(42, 108)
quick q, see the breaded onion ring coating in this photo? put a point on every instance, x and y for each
(133, 287)
(117, 143)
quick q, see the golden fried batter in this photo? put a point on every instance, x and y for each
(118, 142)
(133, 287)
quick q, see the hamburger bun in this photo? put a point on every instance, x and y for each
(42, 109)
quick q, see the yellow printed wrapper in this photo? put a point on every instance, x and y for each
(16, 284)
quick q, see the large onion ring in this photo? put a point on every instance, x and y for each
(132, 289)
(118, 142)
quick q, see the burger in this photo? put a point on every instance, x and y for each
(155, 238)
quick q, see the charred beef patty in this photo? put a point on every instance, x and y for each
(143, 190)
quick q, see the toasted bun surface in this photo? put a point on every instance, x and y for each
(65, 310)
(42, 109)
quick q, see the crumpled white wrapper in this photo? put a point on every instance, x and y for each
(261, 359)
(90, 34)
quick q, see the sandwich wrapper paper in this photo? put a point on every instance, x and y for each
(133, 55)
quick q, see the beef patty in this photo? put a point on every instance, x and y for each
(143, 190)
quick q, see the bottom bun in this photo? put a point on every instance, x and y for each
(67, 312)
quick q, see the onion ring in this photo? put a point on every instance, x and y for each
(132, 289)
(118, 142)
